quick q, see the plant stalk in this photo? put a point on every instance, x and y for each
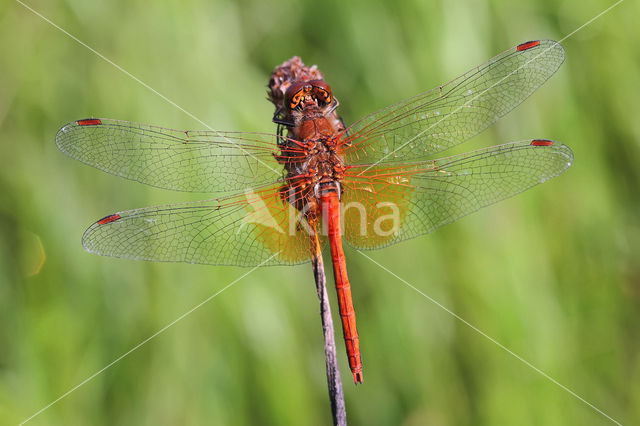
(334, 383)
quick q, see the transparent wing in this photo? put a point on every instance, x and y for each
(242, 230)
(386, 204)
(419, 127)
(197, 161)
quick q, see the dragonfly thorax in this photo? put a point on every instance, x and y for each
(318, 165)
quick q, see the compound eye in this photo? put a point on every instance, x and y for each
(322, 90)
(295, 101)
(294, 94)
(324, 96)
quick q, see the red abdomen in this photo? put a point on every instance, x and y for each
(331, 214)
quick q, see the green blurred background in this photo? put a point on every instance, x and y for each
(553, 274)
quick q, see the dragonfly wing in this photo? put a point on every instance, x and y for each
(419, 127)
(386, 204)
(197, 161)
(242, 230)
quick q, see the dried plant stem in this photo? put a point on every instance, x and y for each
(333, 373)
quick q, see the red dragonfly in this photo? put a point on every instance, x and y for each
(373, 183)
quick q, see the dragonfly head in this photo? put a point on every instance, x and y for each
(307, 94)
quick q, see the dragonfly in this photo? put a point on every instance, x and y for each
(280, 198)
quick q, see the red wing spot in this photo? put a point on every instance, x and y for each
(89, 122)
(541, 142)
(528, 45)
(109, 219)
